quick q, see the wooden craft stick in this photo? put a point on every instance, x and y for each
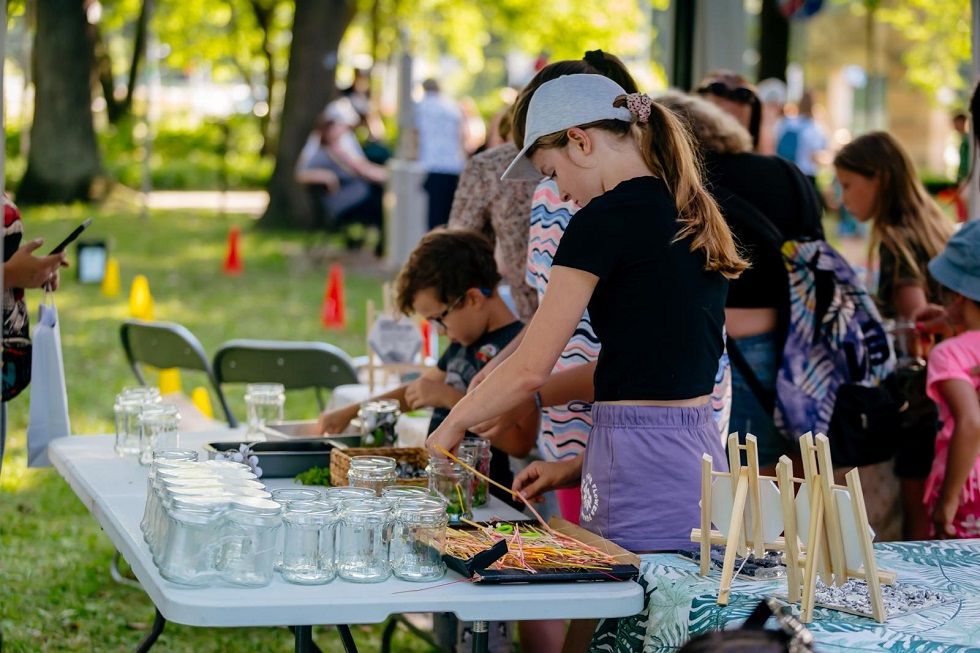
(706, 461)
(838, 562)
(791, 555)
(516, 495)
(867, 548)
(755, 495)
(813, 553)
(734, 534)
(734, 467)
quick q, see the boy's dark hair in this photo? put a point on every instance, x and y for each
(450, 262)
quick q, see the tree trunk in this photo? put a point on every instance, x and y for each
(103, 74)
(64, 163)
(318, 26)
(773, 42)
(139, 45)
(263, 18)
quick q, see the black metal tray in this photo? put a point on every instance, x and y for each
(477, 566)
(282, 458)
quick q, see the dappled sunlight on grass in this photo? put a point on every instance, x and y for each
(53, 551)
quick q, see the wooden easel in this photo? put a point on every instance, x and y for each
(851, 551)
(819, 523)
(745, 530)
(374, 364)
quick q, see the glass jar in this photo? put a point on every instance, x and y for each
(418, 540)
(377, 418)
(126, 410)
(454, 483)
(309, 530)
(161, 458)
(285, 496)
(477, 451)
(372, 472)
(248, 548)
(264, 403)
(189, 549)
(159, 426)
(347, 492)
(397, 493)
(362, 541)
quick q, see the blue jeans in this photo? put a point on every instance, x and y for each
(748, 415)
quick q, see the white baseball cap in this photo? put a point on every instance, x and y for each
(563, 103)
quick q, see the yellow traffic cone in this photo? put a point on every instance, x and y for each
(110, 281)
(169, 381)
(202, 400)
(140, 299)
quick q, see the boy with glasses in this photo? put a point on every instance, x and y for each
(451, 279)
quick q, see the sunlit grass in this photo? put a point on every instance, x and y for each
(55, 590)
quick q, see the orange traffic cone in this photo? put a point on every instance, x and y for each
(426, 338)
(233, 261)
(333, 314)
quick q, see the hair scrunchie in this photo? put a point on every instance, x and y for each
(595, 58)
(639, 104)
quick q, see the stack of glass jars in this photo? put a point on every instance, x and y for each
(372, 472)
(476, 451)
(209, 520)
(128, 405)
(454, 483)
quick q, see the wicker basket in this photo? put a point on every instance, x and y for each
(340, 462)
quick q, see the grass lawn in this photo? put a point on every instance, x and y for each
(55, 590)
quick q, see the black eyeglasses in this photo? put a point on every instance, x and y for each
(438, 320)
(739, 94)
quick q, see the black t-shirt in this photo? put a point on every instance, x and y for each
(461, 364)
(658, 314)
(779, 191)
(894, 273)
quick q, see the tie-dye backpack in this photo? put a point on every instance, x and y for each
(834, 336)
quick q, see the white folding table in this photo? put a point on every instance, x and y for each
(114, 491)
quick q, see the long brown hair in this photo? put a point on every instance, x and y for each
(669, 154)
(906, 219)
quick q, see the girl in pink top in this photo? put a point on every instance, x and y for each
(953, 488)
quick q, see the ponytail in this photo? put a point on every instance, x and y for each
(668, 152)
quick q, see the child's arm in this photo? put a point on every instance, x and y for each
(964, 447)
(336, 420)
(431, 390)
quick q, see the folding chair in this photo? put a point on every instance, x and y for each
(296, 365)
(167, 345)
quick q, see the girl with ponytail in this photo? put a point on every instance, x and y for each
(650, 256)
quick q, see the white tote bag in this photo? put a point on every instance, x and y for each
(49, 398)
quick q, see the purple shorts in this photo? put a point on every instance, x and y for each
(641, 479)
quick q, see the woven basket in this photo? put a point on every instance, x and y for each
(340, 462)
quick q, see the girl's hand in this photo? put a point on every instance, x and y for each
(932, 319)
(942, 520)
(24, 270)
(540, 477)
(495, 426)
(447, 436)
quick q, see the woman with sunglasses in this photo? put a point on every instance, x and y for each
(736, 96)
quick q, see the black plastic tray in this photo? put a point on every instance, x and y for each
(282, 458)
(477, 565)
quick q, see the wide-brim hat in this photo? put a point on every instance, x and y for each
(563, 103)
(958, 266)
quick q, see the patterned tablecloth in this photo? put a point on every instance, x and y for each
(681, 604)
